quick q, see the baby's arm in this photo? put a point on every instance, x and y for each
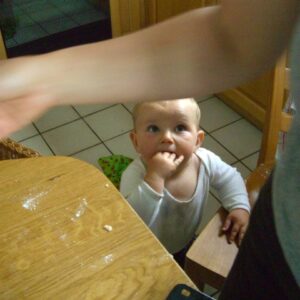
(233, 196)
(142, 198)
(142, 188)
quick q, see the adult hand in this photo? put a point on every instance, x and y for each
(20, 99)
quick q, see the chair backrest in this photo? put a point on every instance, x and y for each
(2, 48)
(276, 120)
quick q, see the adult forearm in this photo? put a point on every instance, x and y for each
(198, 53)
(186, 56)
(259, 30)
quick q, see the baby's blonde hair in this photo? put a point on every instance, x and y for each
(137, 107)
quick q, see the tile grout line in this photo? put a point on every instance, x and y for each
(40, 133)
(109, 139)
(42, 137)
(126, 132)
(87, 124)
(228, 124)
(127, 109)
(247, 156)
(239, 161)
(79, 117)
(87, 148)
(61, 125)
(94, 112)
(224, 147)
(101, 142)
(206, 99)
(245, 166)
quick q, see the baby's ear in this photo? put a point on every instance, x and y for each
(200, 138)
(134, 139)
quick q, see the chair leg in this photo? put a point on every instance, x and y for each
(192, 273)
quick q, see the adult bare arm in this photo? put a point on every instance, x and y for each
(203, 51)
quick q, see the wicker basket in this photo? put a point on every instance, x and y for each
(10, 149)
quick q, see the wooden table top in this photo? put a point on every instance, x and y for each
(55, 242)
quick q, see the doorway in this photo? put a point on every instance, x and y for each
(39, 26)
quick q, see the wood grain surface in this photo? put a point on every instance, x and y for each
(54, 243)
(210, 258)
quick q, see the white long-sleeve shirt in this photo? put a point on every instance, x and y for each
(175, 222)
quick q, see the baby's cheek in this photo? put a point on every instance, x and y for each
(146, 153)
(148, 147)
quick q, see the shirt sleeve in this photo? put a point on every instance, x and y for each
(228, 183)
(139, 194)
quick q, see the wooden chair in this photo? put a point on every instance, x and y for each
(210, 258)
(2, 48)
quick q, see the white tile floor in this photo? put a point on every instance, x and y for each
(90, 131)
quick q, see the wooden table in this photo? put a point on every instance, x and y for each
(54, 242)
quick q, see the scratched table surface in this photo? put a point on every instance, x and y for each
(67, 233)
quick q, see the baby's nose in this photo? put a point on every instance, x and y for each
(167, 137)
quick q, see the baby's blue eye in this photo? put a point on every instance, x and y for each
(152, 128)
(180, 128)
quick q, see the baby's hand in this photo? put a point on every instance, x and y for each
(161, 166)
(164, 164)
(236, 224)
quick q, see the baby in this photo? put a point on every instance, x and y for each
(168, 184)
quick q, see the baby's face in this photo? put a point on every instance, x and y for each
(167, 126)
